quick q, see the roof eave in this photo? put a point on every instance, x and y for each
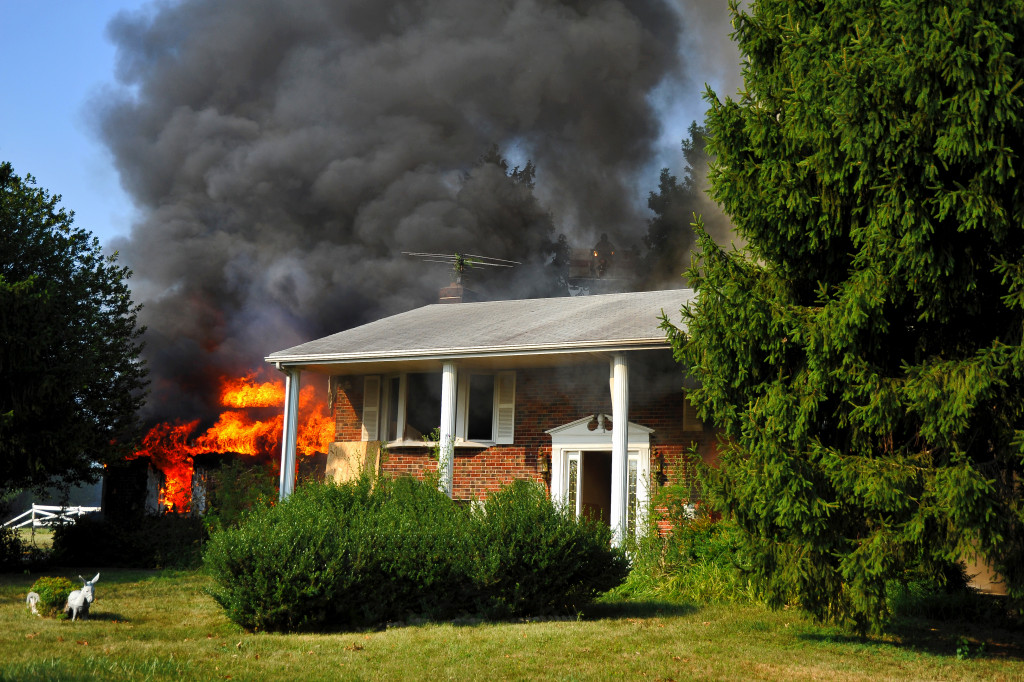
(457, 353)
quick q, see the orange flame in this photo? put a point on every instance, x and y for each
(171, 447)
(245, 392)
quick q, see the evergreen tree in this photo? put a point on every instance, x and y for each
(670, 236)
(502, 197)
(70, 376)
(864, 356)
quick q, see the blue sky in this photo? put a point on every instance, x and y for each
(56, 57)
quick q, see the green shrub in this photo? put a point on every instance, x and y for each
(941, 591)
(697, 561)
(12, 550)
(535, 558)
(374, 551)
(53, 595)
(147, 541)
(342, 556)
(281, 568)
(235, 489)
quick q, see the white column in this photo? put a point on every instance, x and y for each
(446, 458)
(620, 445)
(291, 424)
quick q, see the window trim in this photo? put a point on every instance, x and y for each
(462, 411)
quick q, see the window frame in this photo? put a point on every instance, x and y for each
(462, 401)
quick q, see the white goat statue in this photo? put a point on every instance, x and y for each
(33, 601)
(79, 600)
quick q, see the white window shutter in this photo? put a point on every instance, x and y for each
(371, 407)
(504, 407)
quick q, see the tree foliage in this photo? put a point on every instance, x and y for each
(864, 356)
(670, 237)
(521, 229)
(70, 376)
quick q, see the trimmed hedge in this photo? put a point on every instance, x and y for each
(364, 553)
(533, 557)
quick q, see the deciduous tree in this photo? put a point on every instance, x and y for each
(70, 375)
(864, 355)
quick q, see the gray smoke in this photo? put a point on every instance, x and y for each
(284, 154)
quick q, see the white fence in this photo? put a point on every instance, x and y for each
(41, 515)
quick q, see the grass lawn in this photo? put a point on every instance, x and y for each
(156, 625)
(42, 538)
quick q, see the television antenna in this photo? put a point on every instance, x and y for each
(460, 262)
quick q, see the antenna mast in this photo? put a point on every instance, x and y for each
(459, 262)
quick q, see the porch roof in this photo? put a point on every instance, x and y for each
(492, 329)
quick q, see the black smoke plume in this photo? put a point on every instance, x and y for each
(284, 154)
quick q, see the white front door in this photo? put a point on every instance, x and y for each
(587, 485)
(581, 466)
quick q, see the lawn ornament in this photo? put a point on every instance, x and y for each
(32, 600)
(79, 600)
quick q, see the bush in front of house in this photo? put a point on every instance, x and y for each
(698, 560)
(146, 541)
(533, 557)
(367, 552)
(53, 595)
(340, 556)
(416, 552)
(284, 567)
(234, 490)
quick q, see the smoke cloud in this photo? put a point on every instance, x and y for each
(284, 154)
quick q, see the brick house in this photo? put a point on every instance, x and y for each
(517, 389)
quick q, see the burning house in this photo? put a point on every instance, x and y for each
(280, 160)
(173, 463)
(578, 393)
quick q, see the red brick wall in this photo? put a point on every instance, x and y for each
(546, 398)
(348, 408)
(477, 471)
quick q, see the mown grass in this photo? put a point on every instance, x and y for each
(41, 538)
(153, 625)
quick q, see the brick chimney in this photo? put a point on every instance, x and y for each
(456, 293)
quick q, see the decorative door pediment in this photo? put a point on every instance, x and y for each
(593, 430)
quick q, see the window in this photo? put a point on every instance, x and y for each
(691, 420)
(631, 499)
(479, 407)
(407, 407)
(485, 408)
(411, 406)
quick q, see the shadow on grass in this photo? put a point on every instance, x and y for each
(108, 617)
(960, 639)
(614, 609)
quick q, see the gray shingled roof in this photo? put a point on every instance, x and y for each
(570, 324)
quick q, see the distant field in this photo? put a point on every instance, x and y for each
(160, 625)
(43, 537)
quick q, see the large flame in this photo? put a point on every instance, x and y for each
(171, 446)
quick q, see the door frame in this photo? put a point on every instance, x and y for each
(589, 434)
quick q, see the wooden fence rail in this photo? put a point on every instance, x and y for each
(41, 515)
